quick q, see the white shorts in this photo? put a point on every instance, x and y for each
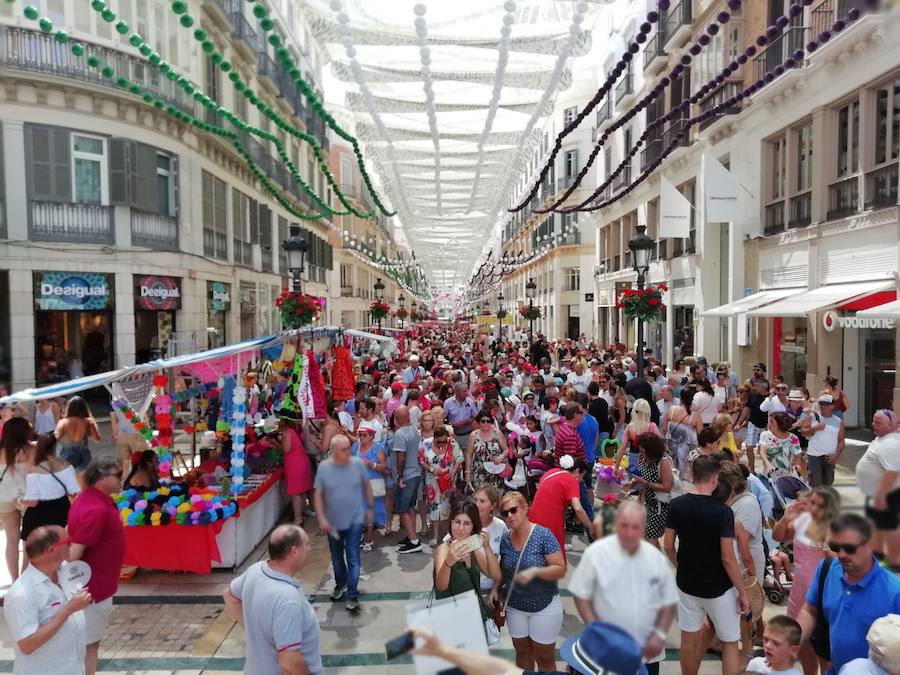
(542, 627)
(724, 612)
(96, 616)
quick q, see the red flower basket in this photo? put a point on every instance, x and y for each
(298, 309)
(379, 310)
(530, 313)
(401, 313)
(645, 304)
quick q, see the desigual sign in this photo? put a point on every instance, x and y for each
(831, 320)
(158, 293)
(69, 291)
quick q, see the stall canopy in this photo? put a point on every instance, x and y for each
(103, 379)
(825, 297)
(890, 310)
(749, 302)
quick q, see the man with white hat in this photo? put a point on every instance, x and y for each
(825, 432)
(414, 371)
(884, 649)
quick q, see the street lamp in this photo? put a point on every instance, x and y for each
(530, 290)
(500, 312)
(379, 294)
(641, 248)
(401, 300)
(295, 247)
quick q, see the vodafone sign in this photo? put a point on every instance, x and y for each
(831, 320)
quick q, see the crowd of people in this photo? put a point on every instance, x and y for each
(697, 490)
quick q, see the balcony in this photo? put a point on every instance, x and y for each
(215, 244)
(881, 187)
(676, 134)
(246, 40)
(843, 198)
(625, 90)
(822, 17)
(800, 211)
(779, 50)
(268, 70)
(222, 11)
(243, 253)
(774, 219)
(655, 53)
(651, 152)
(36, 52)
(267, 259)
(724, 92)
(564, 183)
(154, 231)
(604, 112)
(622, 181)
(677, 26)
(346, 291)
(78, 223)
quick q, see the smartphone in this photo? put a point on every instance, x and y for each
(399, 645)
(472, 543)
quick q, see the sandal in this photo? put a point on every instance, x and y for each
(367, 547)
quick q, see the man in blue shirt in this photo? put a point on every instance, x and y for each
(856, 593)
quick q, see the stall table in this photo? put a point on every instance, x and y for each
(199, 548)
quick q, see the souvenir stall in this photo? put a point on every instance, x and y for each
(215, 514)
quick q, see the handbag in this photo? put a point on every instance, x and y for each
(499, 614)
(453, 619)
(677, 488)
(378, 487)
(821, 635)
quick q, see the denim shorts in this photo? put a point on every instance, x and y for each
(406, 496)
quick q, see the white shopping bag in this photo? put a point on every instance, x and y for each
(457, 621)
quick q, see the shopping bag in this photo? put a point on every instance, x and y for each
(456, 620)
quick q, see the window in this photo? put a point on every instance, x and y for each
(571, 160)
(804, 157)
(887, 123)
(215, 227)
(848, 139)
(165, 185)
(569, 115)
(779, 156)
(282, 237)
(240, 227)
(573, 279)
(89, 175)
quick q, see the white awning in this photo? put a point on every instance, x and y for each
(749, 302)
(822, 298)
(889, 310)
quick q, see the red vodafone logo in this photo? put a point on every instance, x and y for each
(830, 320)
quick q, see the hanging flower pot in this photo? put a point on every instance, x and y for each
(502, 314)
(401, 313)
(645, 304)
(414, 316)
(379, 310)
(530, 313)
(298, 309)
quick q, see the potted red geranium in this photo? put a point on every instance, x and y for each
(530, 312)
(298, 309)
(645, 304)
(379, 310)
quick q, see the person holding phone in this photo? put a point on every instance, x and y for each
(460, 562)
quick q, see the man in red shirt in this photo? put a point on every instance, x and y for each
(567, 440)
(558, 489)
(98, 539)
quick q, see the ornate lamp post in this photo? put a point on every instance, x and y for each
(296, 248)
(401, 300)
(641, 248)
(379, 295)
(530, 290)
(500, 312)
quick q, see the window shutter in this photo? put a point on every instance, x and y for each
(48, 154)
(118, 170)
(143, 175)
(173, 177)
(238, 225)
(329, 257)
(62, 164)
(254, 221)
(265, 226)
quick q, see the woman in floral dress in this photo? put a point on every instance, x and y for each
(440, 458)
(486, 444)
(778, 448)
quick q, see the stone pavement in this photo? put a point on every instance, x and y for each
(173, 623)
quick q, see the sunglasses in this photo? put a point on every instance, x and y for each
(485, 420)
(511, 510)
(849, 549)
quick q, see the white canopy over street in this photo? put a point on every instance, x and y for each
(450, 99)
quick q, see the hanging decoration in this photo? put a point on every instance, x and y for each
(299, 309)
(316, 387)
(379, 310)
(342, 379)
(644, 304)
(530, 312)
(134, 419)
(304, 389)
(238, 437)
(401, 314)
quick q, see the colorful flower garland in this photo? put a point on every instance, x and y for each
(238, 427)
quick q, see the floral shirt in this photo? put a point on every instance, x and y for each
(780, 451)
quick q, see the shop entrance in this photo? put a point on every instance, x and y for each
(152, 332)
(71, 345)
(878, 354)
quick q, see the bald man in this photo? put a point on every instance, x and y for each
(626, 581)
(280, 625)
(409, 477)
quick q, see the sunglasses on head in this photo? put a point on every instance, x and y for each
(511, 510)
(849, 549)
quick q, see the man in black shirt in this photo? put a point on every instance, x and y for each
(707, 572)
(756, 419)
(599, 410)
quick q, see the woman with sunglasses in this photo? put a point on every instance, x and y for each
(440, 458)
(457, 568)
(805, 525)
(531, 562)
(486, 444)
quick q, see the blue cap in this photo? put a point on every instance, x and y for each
(603, 648)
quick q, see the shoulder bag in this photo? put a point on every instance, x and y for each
(821, 636)
(677, 489)
(499, 613)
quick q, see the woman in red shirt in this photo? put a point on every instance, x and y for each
(558, 489)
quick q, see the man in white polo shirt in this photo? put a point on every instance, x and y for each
(268, 602)
(624, 580)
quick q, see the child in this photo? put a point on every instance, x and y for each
(781, 645)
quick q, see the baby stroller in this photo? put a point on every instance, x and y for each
(775, 589)
(784, 490)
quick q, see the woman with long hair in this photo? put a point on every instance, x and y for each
(705, 402)
(144, 474)
(656, 477)
(532, 563)
(298, 473)
(681, 427)
(46, 416)
(18, 448)
(805, 524)
(49, 484)
(441, 459)
(618, 411)
(486, 444)
(640, 424)
(75, 431)
(841, 402)
(778, 448)
(487, 500)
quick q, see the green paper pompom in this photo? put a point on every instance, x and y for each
(158, 104)
(208, 46)
(122, 81)
(45, 24)
(107, 71)
(172, 75)
(31, 12)
(98, 5)
(234, 76)
(93, 61)
(179, 7)
(164, 67)
(145, 49)
(187, 21)
(122, 28)
(260, 11)
(78, 49)
(240, 86)
(266, 24)
(225, 66)
(108, 15)
(62, 36)
(155, 59)
(198, 95)
(148, 98)
(135, 89)
(136, 41)
(188, 88)
(199, 35)
(216, 57)
(275, 40)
